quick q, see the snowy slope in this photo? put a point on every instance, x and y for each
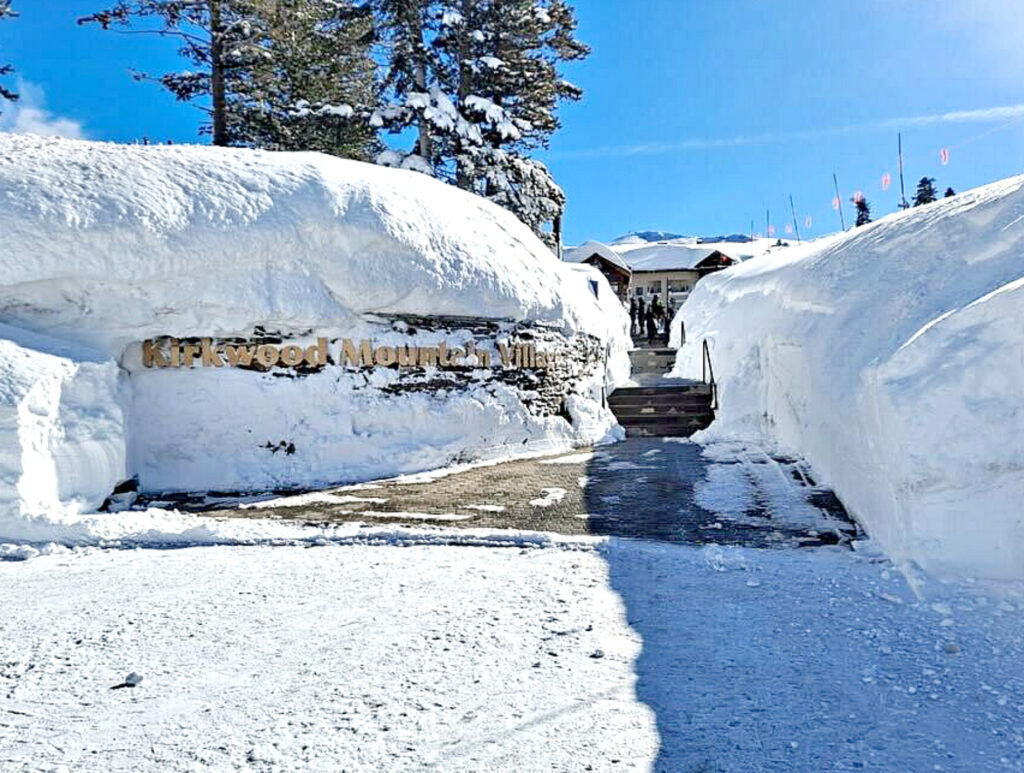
(892, 357)
(105, 245)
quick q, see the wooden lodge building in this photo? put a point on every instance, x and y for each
(666, 269)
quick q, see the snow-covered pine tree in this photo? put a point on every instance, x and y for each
(314, 82)
(925, 191)
(5, 69)
(863, 211)
(498, 62)
(224, 39)
(411, 96)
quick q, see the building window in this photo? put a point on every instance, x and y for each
(678, 286)
(654, 288)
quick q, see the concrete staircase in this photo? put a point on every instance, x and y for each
(659, 406)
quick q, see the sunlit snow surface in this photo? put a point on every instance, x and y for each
(630, 655)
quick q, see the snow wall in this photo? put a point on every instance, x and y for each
(116, 258)
(892, 358)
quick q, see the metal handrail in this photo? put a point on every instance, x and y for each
(707, 374)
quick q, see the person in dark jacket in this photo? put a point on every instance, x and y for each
(641, 315)
(670, 312)
(652, 327)
(657, 308)
(632, 316)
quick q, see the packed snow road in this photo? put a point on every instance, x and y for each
(633, 655)
(693, 648)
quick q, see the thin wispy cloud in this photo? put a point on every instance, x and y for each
(29, 115)
(982, 116)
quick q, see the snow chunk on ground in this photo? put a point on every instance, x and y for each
(890, 358)
(552, 496)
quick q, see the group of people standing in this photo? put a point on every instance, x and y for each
(647, 318)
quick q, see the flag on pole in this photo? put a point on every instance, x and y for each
(836, 203)
(944, 156)
(886, 181)
(771, 230)
(789, 228)
(807, 222)
(858, 197)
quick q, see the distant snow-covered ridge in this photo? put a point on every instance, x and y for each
(105, 246)
(892, 357)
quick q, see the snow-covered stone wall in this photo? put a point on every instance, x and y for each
(359, 404)
(106, 246)
(892, 358)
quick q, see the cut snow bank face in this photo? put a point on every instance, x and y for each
(62, 444)
(892, 358)
(105, 246)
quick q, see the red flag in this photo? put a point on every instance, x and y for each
(858, 197)
(944, 156)
(771, 230)
(836, 203)
(886, 181)
(807, 222)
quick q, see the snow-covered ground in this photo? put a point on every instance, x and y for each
(892, 359)
(625, 655)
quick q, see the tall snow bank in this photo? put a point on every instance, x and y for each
(892, 358)
(109, 244)
(62, 445)
(103, 246)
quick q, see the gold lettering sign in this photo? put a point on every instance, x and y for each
(210, 353)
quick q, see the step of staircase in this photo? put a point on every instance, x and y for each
(664, 427)
(661, 404)
(653, 350)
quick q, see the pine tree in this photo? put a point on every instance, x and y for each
(5, 69)
(224, 39)
(510, 88)
(478, 81)
(863, 211)
(411, 97)
(925, 191)
(950, 192)
(314, 81)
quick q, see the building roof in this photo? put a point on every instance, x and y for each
(661, 256)
(668, 257)
(591, 248)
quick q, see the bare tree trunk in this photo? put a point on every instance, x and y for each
(217, 88)
(415, 22)
(462, 177)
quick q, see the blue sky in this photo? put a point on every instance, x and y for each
(698, 115)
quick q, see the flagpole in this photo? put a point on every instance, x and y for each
(839, 199)
(903, 192)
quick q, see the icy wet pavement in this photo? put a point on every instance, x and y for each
(655, 488)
